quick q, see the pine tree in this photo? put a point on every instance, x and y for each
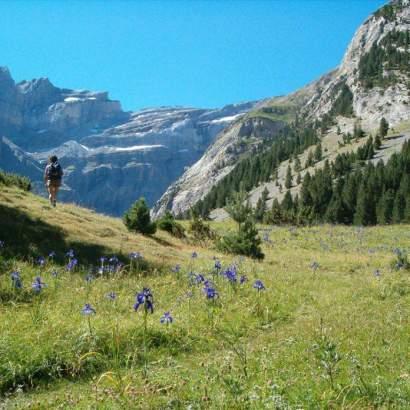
(318, 152)
(297, 166)
(238, 208)
(399, 208)
(275, 214)
(377, 142)
(310, 160)
(138, 219)
(260, 209)
(289, 179)
(298, 179)
(384, 207)
(384, 127)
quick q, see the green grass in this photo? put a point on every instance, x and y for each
(337, 337)
(276, 112)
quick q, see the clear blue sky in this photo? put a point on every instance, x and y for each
(185, 52)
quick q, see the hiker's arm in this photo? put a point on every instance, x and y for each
(45, 176)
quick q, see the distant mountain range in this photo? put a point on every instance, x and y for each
(110, 157)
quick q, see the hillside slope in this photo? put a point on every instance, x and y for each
(332, 298)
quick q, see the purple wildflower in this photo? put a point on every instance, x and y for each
(72, 264)
(52, 255)
(146, 299)
(41, 261)
(176, 269)
(16, 280)
(210, 293)
(112, 296)
(38, 285)
(259, 285)
(166, 318)
(70, 254)
(135, 255)
(230, 274)
(88, 310)
(89, 277)
(194, 255)
(243, 279)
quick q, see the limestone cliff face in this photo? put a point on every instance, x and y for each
(110, 157)
(382, 98)
(141, 157)
(370, 104)
(36, 114)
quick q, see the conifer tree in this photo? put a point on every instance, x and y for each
(288, 179)
(238, 208)
(297, 166)
(318, 152)
(384, 208)
(377, 142)
(260, 209)
(310, 160)
(275, 215)
(138, 219)
(384, 127)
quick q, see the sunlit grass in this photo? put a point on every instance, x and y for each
(336, 336)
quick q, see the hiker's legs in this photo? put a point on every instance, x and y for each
(52, 191)
(56, 188)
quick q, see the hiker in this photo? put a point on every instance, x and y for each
(52, 178)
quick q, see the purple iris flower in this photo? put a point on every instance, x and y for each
(243, 279)
(72, 264)
(166, 318)
(210, 293)
(16, 280)
(146, 299)
(52, 255)
(259, 285)
(135, 255)
(112, 296)
(88, 310)
(70, 254)
(176, 269)
(38, 285)
(41, 261)
(230, 274)
(218, 265)
(194, 255)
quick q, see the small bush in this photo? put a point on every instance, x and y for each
(200, 230)
(15, 180)
(244, 242)
(169, 224)
(138, 219)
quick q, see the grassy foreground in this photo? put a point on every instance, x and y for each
(331, 329)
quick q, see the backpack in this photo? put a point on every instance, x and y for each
(54, 171)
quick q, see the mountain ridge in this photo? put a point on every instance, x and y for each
(336, 97)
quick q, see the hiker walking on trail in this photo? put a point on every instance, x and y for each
(53, 175)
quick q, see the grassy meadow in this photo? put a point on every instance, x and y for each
(330, 329)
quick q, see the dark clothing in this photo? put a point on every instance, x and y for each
(53, 172)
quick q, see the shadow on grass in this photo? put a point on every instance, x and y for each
(26, 237)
